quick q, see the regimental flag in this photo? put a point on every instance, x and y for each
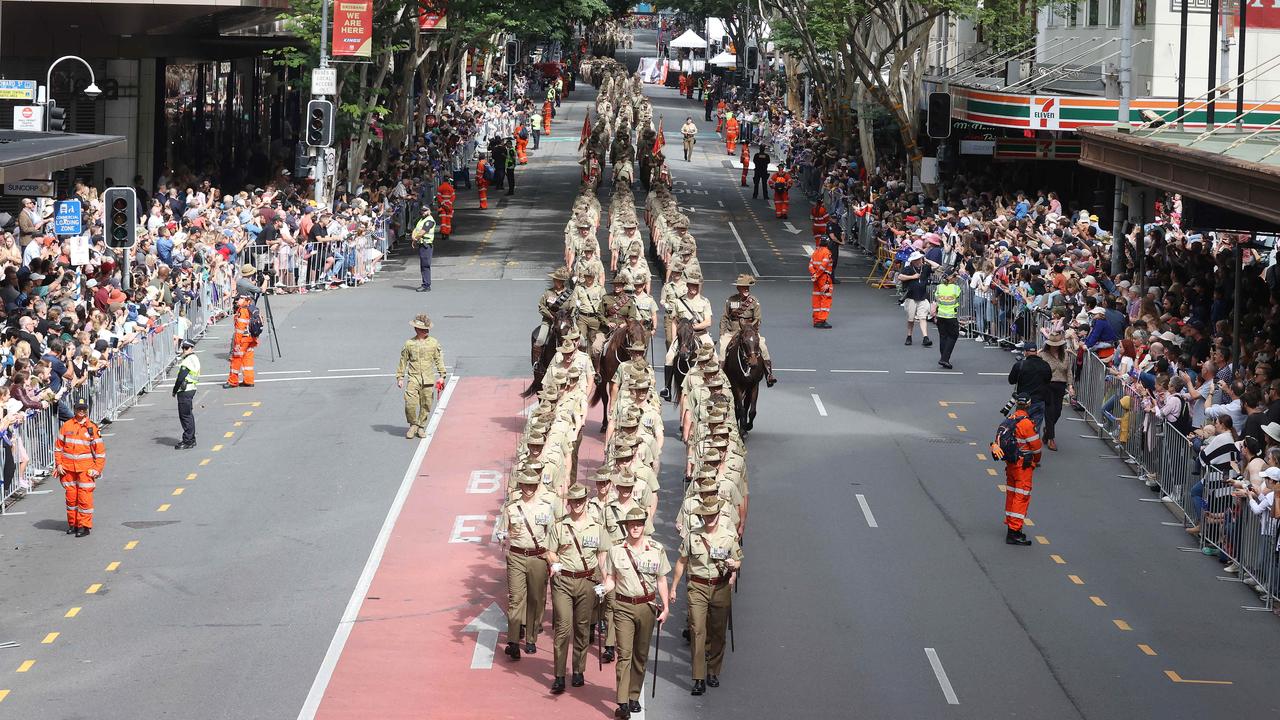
(661, 140)
(586, 130)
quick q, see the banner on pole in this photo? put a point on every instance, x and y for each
(432, 15)
(353, 28)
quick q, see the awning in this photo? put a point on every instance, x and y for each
(725, 59)
(689, 41)
(30, 155)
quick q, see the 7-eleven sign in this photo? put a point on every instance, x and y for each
(1045, 112)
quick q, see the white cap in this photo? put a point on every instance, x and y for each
(915, 256)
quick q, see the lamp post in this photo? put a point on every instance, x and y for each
(92, 91)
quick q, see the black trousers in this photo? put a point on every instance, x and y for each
(948, 333)
(424, 264)
(835, 258)
(760, 183)
(1053, 409)
(187, 415)
(511, 180)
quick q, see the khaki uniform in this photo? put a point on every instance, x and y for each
(531, 530)
(421, 362)
(697, 310)
(710, 597)
(589, 300)
(616, 308)
(636, 575)
(667, 300)
(573, 598)
(687, 521)
(736, 312)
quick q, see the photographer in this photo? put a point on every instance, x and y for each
(1032, 377)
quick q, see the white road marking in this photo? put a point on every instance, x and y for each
(352, 611)
(947, 690)
(145, 405)
(720, 203)
(860, 371)
(743, 246)
(808, 250)
(822, 409)
(486, 626)
(795, 370)
(866, 510)
(994, 374)
(353, 369)
(284, 372)
(327, 377)
(791, 228)
(934, 372)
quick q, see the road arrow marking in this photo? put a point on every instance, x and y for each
(791, 228)
(485, 626)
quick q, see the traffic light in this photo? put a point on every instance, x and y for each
(122, 217)
(751, 57)
(938, 121)
(512, 51)
(54, 117)
(320, 123)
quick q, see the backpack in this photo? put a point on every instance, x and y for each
(1005, 446)
(488, 171)
(255, 321)
(1183, 422)
(524, 133)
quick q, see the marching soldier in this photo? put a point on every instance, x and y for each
(637, 569)
(636, 269)
(587, 262)
(548, 305)
(574, 590)
(422, 368)
(744, 308)
(527, 530)
(712, 556)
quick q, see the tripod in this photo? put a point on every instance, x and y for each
(273, 343)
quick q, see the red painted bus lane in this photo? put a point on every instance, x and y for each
(427, 642)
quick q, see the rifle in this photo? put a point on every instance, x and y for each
(731, 643)
(657, 641)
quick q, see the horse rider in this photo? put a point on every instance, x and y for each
(588, 262)
(744, 308)
(617, 306)
(588, 299)
(549, 304)
(696, 309)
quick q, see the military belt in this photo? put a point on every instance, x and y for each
(529, 553)
(578, 575)
(713, 582)
(641, 600)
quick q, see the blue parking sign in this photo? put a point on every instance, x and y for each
(66, 218)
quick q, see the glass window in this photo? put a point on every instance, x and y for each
(1139, 13)
(1073, 14)
(1051, 17)
(1113, 17)
(1095, 8)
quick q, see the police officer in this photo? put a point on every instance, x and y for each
(574, 590)
(947, 295)
(424, 239)
(712, 555)
(637, 569)
(184, 388)
(422, 368)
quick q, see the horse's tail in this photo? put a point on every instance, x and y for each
(601, 393)
(534, 388)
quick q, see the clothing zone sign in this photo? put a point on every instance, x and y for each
(353, 29)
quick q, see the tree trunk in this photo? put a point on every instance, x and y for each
(866, 132)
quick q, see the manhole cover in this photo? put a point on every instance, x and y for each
(148, 524)
(945, 441)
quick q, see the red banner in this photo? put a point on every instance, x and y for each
(661, 140)
(432, 15)
(1262, 14)
(586, 130)
(353, 28)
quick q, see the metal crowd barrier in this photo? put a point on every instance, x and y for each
(1229, 523)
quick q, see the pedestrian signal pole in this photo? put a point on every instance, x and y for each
(322, 169)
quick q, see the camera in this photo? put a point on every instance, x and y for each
(1008, 407)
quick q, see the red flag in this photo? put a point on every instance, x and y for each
(661, 140)
(586, 130)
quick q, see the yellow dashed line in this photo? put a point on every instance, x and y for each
(48, 639)
(1075, 579)
(247, 413)
(131, 545)
(1146, 650)
(205, 461)
(163, 508)
(962, 428)
(1042, 540)
(237, 423)
(1058, 559)
(1002, 488)
(93, 589)
(191, 476)
(1122, 625)
(3, 694)
(991, 472)
(26, 665)
(113, 566)
(1178, 679)
(72, 612)
(178, 491)
(229, 433)
(1029, 522)
(216, 448)
(1097, 601)
(951, 415)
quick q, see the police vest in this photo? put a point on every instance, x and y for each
(192, 364)
(428, 235)
(948, 295)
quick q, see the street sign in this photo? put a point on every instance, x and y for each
(17, 89)
(324, 81)
(78, 250)
(29, 188)
(28, 117)
(66, 218)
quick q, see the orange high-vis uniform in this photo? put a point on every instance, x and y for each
(731, 134)
(481, 184)
(720, 115)
(445, 197)
(820, 270)
(781, 184)
(821, 220)
(746, 162)
(77, 450)
(1018, 471)
(242, 345)
(546, 118)
(522, 144)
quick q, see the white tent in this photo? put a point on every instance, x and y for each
(689, 41)
(725, 59)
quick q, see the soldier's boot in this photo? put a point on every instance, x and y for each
(535, 355)
(769, 379)
(668, 372)
(557, 686)
(413, 430)
(422, 431)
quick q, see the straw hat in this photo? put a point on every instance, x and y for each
(744, 280)
(422, 322)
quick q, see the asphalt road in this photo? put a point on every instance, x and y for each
(877, 583)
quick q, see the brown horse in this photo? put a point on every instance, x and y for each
(686, 352)
(744, 366)
(565, 320)
(611, 356)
